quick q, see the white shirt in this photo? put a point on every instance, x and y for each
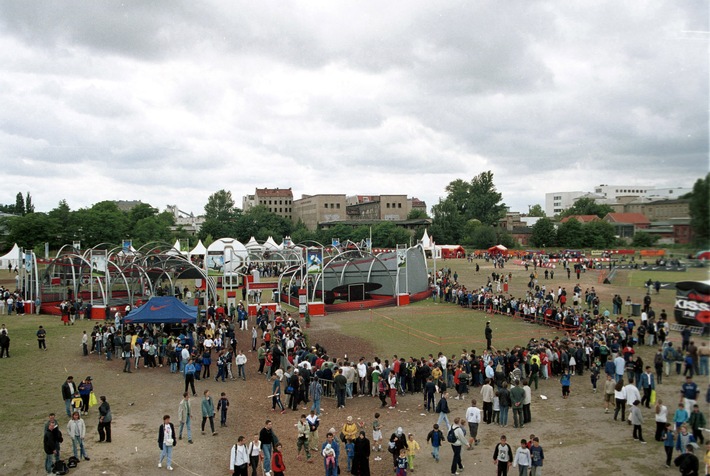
(662, 415)
(473, 415)
(239, 456)
(362, 370)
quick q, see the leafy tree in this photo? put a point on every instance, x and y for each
(570, 234)
(388, 235)
(152, 228)
(643, 239)
(485, 201)
(543, 233)
(104, 222)
(29, 207)
(484, 237)
(587, 206)
(599, 234)
(448, 222)
(700, 210)
(66, 227)
(417, 214)
(31, 230)
(140, 211)
(220, 216)
(536, 211)
(19, 204)
(301, 233)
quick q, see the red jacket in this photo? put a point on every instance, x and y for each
(277, 462)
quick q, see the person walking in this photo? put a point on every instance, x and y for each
(456, 445)
(185, 416)
(208, 412)
(442, 408)
(166, 442)
(239, 458)
(189, 371)
(268, 440)
(637, 421)
(502, 456)
(489, 335)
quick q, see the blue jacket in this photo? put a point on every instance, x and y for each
(648, 381)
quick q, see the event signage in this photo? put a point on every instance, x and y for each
(692, 303)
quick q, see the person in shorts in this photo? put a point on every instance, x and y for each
(377, 435)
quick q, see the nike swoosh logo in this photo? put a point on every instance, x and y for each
(157, 308)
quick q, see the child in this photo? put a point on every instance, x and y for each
(436, 436)
(637, 421)
(412, 448)
(350, 451)
(402, 463)
(222, 406)
(565, 382)
(76, 402)
(329, 456)
(503, 456)
(277, 461)
(536, 458)
(522, 458)
(496, 408)
(680, 416)
(377, 435)
(668, 442)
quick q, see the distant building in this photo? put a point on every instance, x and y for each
(127, 205)
(627, 224)
(557, 202)
(315, 209)
(185, 221)
(279, 201)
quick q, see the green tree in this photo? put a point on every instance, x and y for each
(484, 237)
(417, 214)
(220, 216)
(388, 235)
(104, 222)
(587, 206)
(536, 211)
(448, 222)
(19, 204)
(699, 208)
(152, 228)
(301, 233)
(543, 233)
(66, 227)
(570, 234)
(485, 201)
(31, 230)
(140, 211)
(599, 234)
(29, 207)
(643, 239)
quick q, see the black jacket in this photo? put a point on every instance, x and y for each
(161, 435)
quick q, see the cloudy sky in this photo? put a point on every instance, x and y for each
(167, 102)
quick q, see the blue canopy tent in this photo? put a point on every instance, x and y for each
(162, 310)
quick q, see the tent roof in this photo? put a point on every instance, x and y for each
(426, 241)
(13, 254)
(271, 244)
(162, 309)
(497, 249)
(199, 249)
(253, 244)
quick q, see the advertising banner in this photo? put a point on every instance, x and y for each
(692, 303)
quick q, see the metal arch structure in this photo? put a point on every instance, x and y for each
(350, 258)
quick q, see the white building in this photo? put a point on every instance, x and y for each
(557, 202)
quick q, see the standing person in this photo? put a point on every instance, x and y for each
(208, 411)
(42, 338)
(412, 448)
(268, 440)
(637, 421)
(697, 422)
(331, 452)
(489, 335)
(522, 458)
(303, 432)
(239, 458)
(648, 384)
(392, 381)
(68, 391)
(503, 456)
(241, 361)
(189, 371)
(185, 416)
(565, 381)
(127, 353)
(340, 383)
(277, 461)
(687, 462)
(166, 442)
(76, 429)
(460, 441)
(668, 443)
(222, 406)
(473, 417)
(85, 389)
(313, 424)
(537, 456)
(105, 418)
(609, 385)
(620, 397)
(487, 394)
(52, 439)
(276, 391)
(401, 466)
(661, 417)
(377, 435)
(361, 458)
(689, 392)
(315, 391)
(517, 398)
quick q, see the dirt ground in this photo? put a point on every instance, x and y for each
(577, 436)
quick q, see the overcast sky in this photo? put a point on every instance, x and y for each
(167, 102)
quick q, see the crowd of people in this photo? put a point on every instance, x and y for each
(504, 381)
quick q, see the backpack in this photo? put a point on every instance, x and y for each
(60, 467)
(451, 436)
(72, 462)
